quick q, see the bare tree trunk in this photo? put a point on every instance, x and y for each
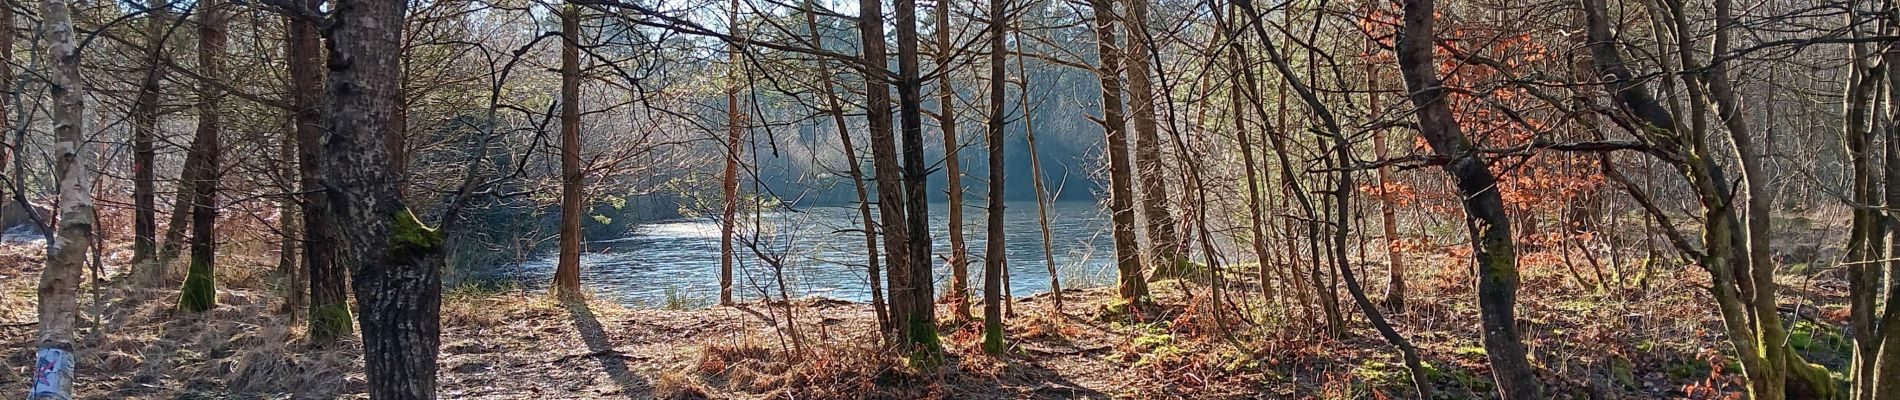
(1863, 260)
(1133, 288)
(8, 153)
(1756, 239)
(1342, 213)
(836, 109)
(1257, 221)
(919, 323)
(1035, 175)
(200, 290)
(395, 260)
(1771, 368)
(730, 183)
(959, 261)
(144, 135)
(1388, 217)
(1290, 183)
(1484, 206)
(890, 180)
(994, 252)
(178, 224)
(66, 258)
(1163, 241)
(1886, 368)
(567, 274)
(289, 264)
(329, 296)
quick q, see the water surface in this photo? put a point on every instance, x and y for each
(822, 253)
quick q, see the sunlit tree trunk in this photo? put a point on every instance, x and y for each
(1257, 219)
(394, 259)
(1772, 369)
(567, 273)
(1860, 262)
(889, 176)
(1035, 175)
(1163, 242)
(959, 261)
(919, 323)
(729, 186)
(836, 110)
(1886, 369)
(1388, 215)
(66, 257)
(1289, 181)
(1133, 288)
(200, 290)
(1342, 220)
(1491, 245)
(1755, 217)
(1873, 371)
(994, 252)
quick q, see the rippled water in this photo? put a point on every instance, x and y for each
(823, 254)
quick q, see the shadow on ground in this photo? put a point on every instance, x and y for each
(601, 348)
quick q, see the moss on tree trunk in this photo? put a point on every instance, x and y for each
(200, 292)
(925, 348)
(330, 320)
(399, 299)
(1807, 380)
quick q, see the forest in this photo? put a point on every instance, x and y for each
(838, 199)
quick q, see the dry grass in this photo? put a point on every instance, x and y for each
(134, 344)
(676, 385)
(831, 370)
(1618, 341)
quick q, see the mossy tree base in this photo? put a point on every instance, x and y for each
(200, 292)
(330, 322)
(1182, 268)
(993, 343)
(399, 300)
(1807, 380)
(1125, 309)
(922, 346)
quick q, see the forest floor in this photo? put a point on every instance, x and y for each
(1618, 340)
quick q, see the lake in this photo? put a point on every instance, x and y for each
(823, 255)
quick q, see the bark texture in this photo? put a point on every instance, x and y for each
(395, 261)
(567, 273)
(66, 254)
(1132, 287)
(891, 207)
(918, 323)
(329, 295)
(959, 259)
(1163, 242)
(836, 110)
(994, 252)
(729, 185)
(144, 149)
(1490, 228)
(200, 291)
